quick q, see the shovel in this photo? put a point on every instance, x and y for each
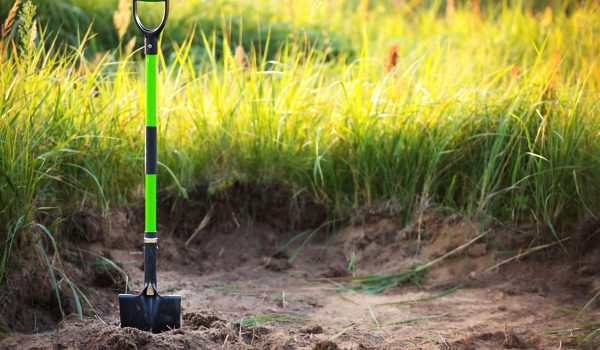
(150, 311)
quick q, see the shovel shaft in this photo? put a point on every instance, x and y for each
(151, 143)
(150, 237)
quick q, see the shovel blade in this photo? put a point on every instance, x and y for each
(153, 313)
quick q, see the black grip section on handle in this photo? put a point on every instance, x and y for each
(151, 35)
(151, 45)
(150, 252)
(151, 156)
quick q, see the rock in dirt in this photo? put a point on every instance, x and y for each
(277, 265)
(447, 238)
(507, 339)
(476, 250)
(326, 345)
(335, 270)
(316, 329)
(206, 319)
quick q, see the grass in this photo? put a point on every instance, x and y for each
(494, 115)
(267, 29)
(586, 335)
(372, 284)
(231, 289)
(413, 320)
(271, 318)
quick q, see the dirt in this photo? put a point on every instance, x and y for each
(242, 291)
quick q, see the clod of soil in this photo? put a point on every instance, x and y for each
(326, 345)
(206, 319)
(84, 226)
(277, 265)
(476, 250)
(315, 329)
(119, 339)
(507, 340)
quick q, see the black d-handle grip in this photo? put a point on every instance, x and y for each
(151, 35)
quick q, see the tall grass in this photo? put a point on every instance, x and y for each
(496, 118)
(262, 25)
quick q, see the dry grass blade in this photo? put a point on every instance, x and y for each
(392, 58)
(426, 298)
(352, 325)
(200, 227)
(9, 24)
(372, 314)
(122, 17)
(413, 320)
(372, 284)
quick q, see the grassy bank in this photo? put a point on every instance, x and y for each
(493, 114)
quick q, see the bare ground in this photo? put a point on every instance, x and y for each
(238, 294)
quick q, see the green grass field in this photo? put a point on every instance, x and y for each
(492, 114)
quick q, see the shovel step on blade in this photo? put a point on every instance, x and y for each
(152, 313)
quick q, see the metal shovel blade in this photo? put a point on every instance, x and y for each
(152, 313)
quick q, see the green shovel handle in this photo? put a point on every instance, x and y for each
(151, 37)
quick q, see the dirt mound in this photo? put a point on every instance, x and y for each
(326, 345)
(95, 335)
(272, 204)
(267, 300)
(29, 300)
(205, 319)
(117, 339)
(507, 339)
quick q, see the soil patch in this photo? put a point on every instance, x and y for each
(242, 290)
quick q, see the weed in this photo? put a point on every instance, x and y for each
(231, 289)
(271, 318)
(27, 30)
(372, 284)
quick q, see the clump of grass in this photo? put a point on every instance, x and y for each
(271, 318)
(373, 284)
(592, 339)
(582, 335)
(231, 289)
(413, 320)
(432, 297)
(110, 267)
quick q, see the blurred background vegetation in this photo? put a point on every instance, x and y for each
(264, 25)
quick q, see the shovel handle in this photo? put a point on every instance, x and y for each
(151, 35)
